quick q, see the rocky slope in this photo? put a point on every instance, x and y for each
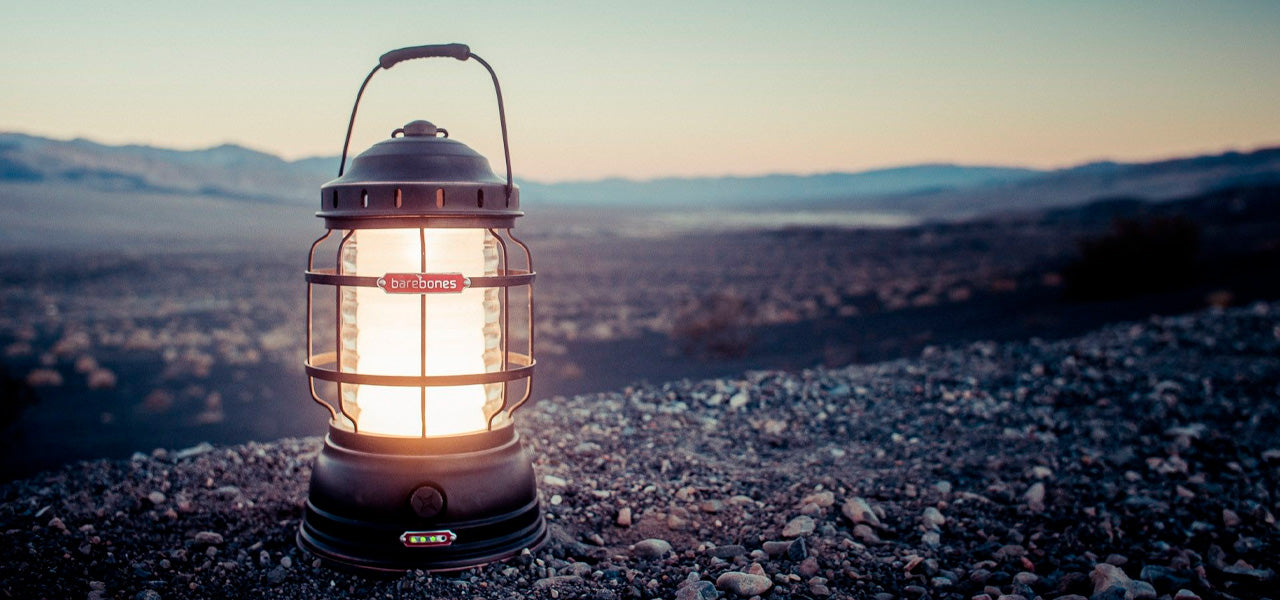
(1140, 461)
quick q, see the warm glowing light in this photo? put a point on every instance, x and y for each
(383, 334)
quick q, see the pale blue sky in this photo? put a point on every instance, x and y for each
(650, 89)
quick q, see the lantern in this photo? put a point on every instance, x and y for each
(422, 467)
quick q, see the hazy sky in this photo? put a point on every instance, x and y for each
(645, 89)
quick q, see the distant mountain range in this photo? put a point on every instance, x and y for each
(50, 187)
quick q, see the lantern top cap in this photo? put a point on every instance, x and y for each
(419, 170)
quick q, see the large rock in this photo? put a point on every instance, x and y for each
(743, 584)
(1110, 581)
(651, 548)
(859, 511)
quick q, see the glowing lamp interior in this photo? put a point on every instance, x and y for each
(385, 334)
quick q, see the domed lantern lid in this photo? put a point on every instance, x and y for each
(419, 174)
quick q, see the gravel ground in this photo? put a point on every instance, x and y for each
(1140, 461)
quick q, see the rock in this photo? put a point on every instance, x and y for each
(1026, 578)
(738, 400)
(156, 497)
(943, 487)
(1009, 551)
(859, 511)
(730, 551)
(697, 590)
(797, 550)
(286, 562)
(277, 575)
(823, 499)
(1107, 578)
(1035, 497)
(194, 451)
(556, 581)
(208, 537)
(801, 525)
(931, 539)
(711, 506)
(933, 518)
(775, 548)
(743, 584)
(651, 548)
(1185, 594)
(624, 517)
(1230, 518)
(1242, 571)
(554, 481)
(865, 534)
(808, 567)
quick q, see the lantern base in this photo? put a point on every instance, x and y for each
(437, 504)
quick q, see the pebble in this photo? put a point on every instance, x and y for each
(208, 537)
(775, 548)
(624, 517)
(1035, 497)
(801, 525)
(697, 590)
(859, 511)
(1229, 518)
(733, 550)
(156, 497)
(933, 518)
(277, 575)
(743, 584)
(651, 548)
(797, 550)
(865, 534)
(823, 499)
(1026, 578)
(1185, 594)
(554, 481)
(808, 567)
(1107, 576)
(931, 539)
(556, 581)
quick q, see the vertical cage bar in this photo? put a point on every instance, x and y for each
(528, 386)
(311, 381)
(337, 294)
(422, 330)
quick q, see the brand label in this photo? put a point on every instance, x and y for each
(423, 283)
(427, 539)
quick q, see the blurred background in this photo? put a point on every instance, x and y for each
(710, 188)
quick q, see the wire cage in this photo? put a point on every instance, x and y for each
(513, 374)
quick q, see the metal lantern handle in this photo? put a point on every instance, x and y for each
(458, 51)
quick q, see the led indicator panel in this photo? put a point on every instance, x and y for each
(427, 539)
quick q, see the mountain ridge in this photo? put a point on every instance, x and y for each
(928, 190)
